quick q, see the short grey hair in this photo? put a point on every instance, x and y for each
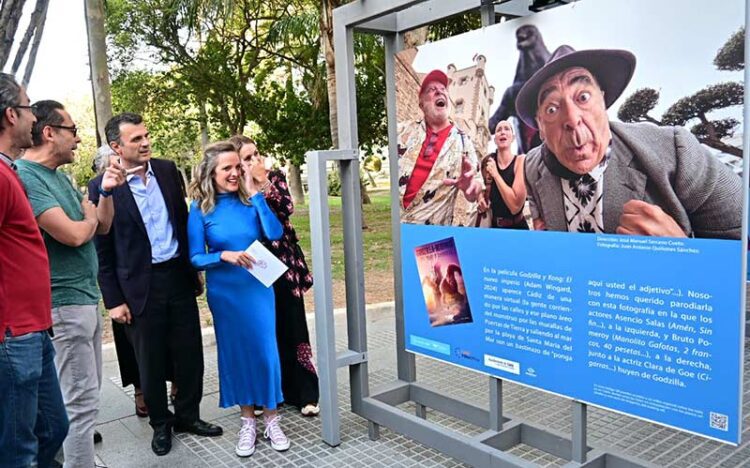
(101, 158)
(10, 95)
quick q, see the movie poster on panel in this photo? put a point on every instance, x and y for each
(571, 200)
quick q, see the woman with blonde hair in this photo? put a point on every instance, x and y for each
(228, 213)
(299, 379)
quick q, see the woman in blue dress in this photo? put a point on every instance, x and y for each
(228, 213)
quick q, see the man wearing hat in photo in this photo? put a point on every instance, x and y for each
(436, 159)
(594, 175)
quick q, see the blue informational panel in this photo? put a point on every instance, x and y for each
(628, 323)
(582, 124)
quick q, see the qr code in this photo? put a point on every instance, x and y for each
(719, 421)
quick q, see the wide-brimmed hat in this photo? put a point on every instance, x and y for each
(434, 75)
(612, 69)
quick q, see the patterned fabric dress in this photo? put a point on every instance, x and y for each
(299, 379)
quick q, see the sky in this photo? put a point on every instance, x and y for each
(675, 42)
(61, 71)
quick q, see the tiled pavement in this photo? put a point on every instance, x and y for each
(127, 438)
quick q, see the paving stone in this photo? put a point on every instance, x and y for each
(127, 438)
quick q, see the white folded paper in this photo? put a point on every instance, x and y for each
(267, 267)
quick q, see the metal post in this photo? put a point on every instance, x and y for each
(580, 447)
(487, 12)
(496, 404)
(324, 325)
(406, 367)
(351, 207)
(421, 411)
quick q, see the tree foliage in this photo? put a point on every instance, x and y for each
(171, 118)
(245, 63)
(698, 105)
(638, 105)
(731, 56)
(454, 25)
(696, 108)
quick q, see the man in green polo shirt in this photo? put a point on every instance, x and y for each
(69, 222)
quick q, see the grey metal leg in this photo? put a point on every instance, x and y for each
(488, 13)
(351, 209)
(580, 447)
(373, 430)
(405, 364)
(421, 411)
(496, 404)
(324, 322)
(324, 325)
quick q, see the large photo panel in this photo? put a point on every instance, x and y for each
(571, 200)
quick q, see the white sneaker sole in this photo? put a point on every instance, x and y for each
(281, 447)
(244, 453)
(310, 411)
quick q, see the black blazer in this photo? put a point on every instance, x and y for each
(125, 253)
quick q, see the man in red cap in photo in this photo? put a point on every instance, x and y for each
(594, 175)
(436, 159)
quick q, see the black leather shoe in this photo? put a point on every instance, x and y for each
(97, 437)
(161, 443)
(199, 428)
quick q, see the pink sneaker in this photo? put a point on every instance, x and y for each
(279, 441)
(246, 445)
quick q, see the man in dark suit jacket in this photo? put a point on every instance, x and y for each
(147, 281)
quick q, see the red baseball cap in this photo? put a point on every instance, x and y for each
(434, 75)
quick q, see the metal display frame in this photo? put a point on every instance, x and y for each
(390, 19)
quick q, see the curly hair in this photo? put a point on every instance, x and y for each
(202, 189)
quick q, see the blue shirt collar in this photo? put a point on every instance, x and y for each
(149, 173)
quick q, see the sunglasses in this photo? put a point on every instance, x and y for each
(73, 129)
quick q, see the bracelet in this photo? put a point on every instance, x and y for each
(104, 193)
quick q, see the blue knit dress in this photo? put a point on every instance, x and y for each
(242, 308)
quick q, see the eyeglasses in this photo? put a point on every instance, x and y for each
(31, 108)
(73, 129)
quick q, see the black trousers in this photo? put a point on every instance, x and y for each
(166, 337)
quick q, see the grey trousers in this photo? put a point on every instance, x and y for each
(78, 347)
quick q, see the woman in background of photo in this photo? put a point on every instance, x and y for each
(507, 193)
(298, 376)
(229, 213)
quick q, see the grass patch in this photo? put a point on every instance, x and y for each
(378, 252)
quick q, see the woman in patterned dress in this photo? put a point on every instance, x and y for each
(299, 379)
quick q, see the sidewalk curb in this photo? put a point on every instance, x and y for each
(209, 338)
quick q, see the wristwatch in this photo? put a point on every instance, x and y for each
(104, 193)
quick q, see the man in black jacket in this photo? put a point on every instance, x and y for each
(147, 281)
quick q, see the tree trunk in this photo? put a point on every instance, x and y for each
(294, 178)
(100, 85)
(203, 123)
(10, 14)
(326, 40)
(326, 43)
(721, 146)
(37, 16)
(35, 45)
